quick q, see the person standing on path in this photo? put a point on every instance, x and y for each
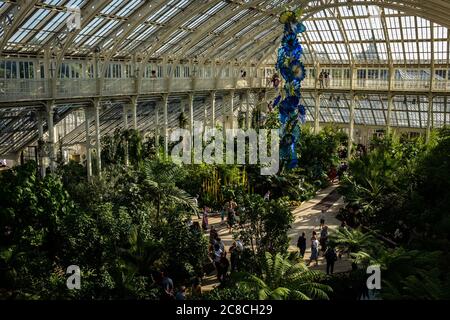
(301, 244)
(205, 219)
(196, 205)
(234, 256)
(213, 235)
(330, 257)
(223, 267)
(322, 219)
(231, 215)
(314, 250)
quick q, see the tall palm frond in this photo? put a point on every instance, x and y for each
(281, 280)
(161, 187)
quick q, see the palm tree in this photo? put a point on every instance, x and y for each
(159, 183)
(141, 253)
(412, 274)
(281, 280)
(354, 242)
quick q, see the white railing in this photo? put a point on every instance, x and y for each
(119, 86)
(76, 87)
(24, 89)
(31, 89)
(203, 83)
(153, 85)
(411, 85)
(374, 84)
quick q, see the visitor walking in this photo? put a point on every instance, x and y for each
(205, 219)
(324, 238)
(314, 250)
(231, 215)
(275, 80)
(330, 257)
(196, 288)
(301, 244)
(332, 174)
(239, 245)
(181, 293)
(322, 219)
(167, 287)
(223, 212)
(217, 255)
(195, 200)
(321, 80)
(326, 78)
(221, 244)
(224, 265)
(213, 234)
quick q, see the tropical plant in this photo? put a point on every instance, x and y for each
(282, 279)
(354, 241)
(263, 225)
(159, 185)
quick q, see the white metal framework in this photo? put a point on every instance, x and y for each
(388, 63)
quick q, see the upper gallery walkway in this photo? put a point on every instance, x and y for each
(31, 81)
(23, 90)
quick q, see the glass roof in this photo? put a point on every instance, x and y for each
(404, 32)
(217, 29)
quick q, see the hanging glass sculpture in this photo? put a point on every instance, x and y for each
(291, 112)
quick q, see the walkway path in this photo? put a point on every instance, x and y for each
(306, 219)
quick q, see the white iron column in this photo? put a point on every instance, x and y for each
(231, 110)
(247, 110)
(166, 125)
(98, 148)
(51, 135)
(157, 127)
(317, 113)
(125, 127)
(429, 117)
(213, 109)
(191, 113)
(87, 122)
(40, 144)
(351, 125)
(205, 115)
(133, 112)
(389, 113)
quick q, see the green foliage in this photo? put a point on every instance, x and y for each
(110, 231)
(263, 225)
(282, 279)
(381, 181)
(124, 143)
(318, 153)
(233, 292)
(159, 185)
(402, 185)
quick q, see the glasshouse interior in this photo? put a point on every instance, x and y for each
(224, 150)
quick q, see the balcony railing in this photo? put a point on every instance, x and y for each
(33, 89)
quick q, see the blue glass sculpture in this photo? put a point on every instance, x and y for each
(291, 112)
